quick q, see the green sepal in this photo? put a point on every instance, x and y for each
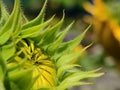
(13, 66)
(4, 14)
(34, 31)
(38, 20)
(16, 33)
(53, 46)
(5, 37)
(24, 18)
(10, 34)
(14, 86)
(11, 24)
(22, 79)
(69, 85)
(1, 74)
(50, 35)
(2, 85)
(62, 70)
(3, 64)
(68, 47)
(3, 70)
(8, 51)
(67, 59)
(76, 77)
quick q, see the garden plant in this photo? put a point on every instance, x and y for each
(33, 55)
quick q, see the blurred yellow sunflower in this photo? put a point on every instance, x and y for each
(106, 27)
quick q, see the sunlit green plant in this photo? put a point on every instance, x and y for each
(33, 55)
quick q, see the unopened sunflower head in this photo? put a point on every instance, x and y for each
(33, 56)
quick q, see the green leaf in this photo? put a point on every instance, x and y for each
(67, 59)
(5, 37)
(68, 85)
(11, 24)
(14, 86)
(76, 77)
(8, 51)
(4, 14)
(33, 31)
(24, 18)
(13, 66)
(2, 73)
(17, 31)
(23, 79)
(81, 75)
(50, 34)
(13, 19)
(53, 46)
(68, 47)
(61, 70)
(3, 65)
(38, 20)
(2, 85)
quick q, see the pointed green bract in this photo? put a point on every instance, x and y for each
(2, 64)
(50, 34)
(76, 77)
(64, 58)
(33, 55)
(8, 51)
(22, 79)
(11, 24)
(4, 14)
(68, 47)
(38, 20)
(33, 31)
(1, 80)
(62, 70)
(53, 47)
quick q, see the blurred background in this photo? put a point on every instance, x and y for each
(104, 34)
